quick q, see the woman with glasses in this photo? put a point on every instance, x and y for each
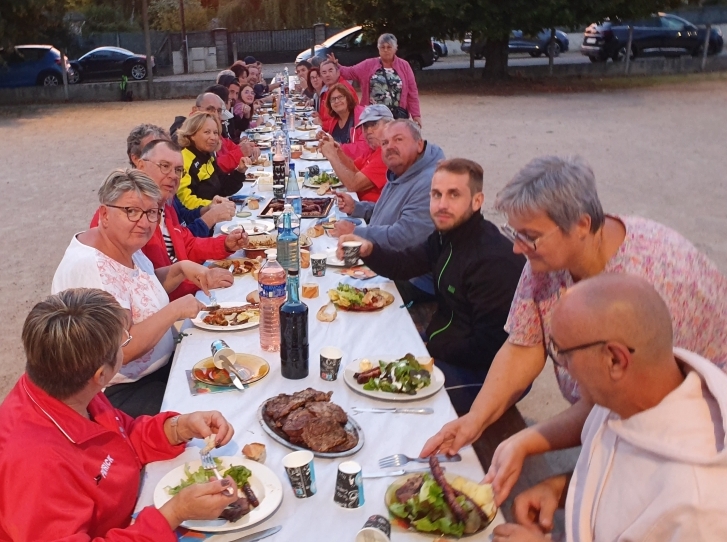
(315, 87)
(109, 257)
(555, 219)
(77, 459)
(200, 139)
(342, 123)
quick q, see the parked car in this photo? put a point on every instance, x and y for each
(659, 35)
(440, 48)
(351, 46)
(28, 65)
(109, 63)
(523, 43)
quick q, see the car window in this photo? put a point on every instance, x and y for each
(672, 24)
(100, 55)
(115, 55)
(32, 54)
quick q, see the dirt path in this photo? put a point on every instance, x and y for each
(659, 153)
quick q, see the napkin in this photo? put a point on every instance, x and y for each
(198, 388)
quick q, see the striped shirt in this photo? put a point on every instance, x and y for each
(167, 239)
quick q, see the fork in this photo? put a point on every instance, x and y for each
(213, 301)
(209, 464)
(397, 460)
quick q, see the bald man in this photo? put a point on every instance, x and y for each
(653, 465)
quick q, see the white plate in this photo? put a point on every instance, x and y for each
(436, 384)
(312, 156)
(265, 484)
(335, 262)
(198, 321)
(309, 184)
(250, 227)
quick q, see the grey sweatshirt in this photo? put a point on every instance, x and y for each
(400, 218)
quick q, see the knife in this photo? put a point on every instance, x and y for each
(400, 472)
(395, 410)
(259, 535)
(234, 375)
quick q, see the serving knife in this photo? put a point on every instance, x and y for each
(400, 472)
(235, 376)
(259, 535)
(394, 410)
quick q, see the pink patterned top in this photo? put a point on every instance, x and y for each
(137, 290)
(690, 283)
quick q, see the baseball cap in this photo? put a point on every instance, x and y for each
(373, 113)
(249, 60)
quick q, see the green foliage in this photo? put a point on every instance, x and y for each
(237, 15)
(164, 15)
(106, 18)
(32, 21)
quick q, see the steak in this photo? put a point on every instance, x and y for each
(276, 405)
(328, 410)
(410, 488)
(293, 425)
(297, 400)
(323, 434)
(351, 441)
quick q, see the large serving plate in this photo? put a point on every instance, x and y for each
(251, 368)
(315, 156)
(264, 483)
(277, 435)
(251, 227)
(199, 322)
(326, 203)
(436, 384)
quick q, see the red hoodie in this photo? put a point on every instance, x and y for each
(358, 148)
(65, 477)
(324, 114)
(186, 247)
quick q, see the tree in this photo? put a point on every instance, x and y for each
(488, 20)
(32, 21)
(164, 15)
(270, 14)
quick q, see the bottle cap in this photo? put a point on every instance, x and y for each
(271, 254)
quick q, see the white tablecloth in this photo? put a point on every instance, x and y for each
(387, 334)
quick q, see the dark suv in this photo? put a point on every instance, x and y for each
(352, 46)
(658, 35)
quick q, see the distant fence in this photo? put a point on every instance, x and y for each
(704, 15)
(265, 45)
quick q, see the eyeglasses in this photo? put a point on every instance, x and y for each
(212, 109)
(166, 168)
(559, 356)
(337, 99)
(516, 237)
(134, 214)
(128, 340)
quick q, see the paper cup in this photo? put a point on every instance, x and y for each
(376, 529)
(351, 251)
(318, 262)
(304, 258)
(301, 473)
(330, 362)
(221, 348)
(349, 486)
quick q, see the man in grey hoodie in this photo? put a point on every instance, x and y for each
(400, 218)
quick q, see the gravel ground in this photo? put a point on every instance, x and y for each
(656, 152)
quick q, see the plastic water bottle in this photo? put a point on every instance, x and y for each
(271, 287)
(281, 104)
(294, 220)
(292, 193)
(290, 115)
(293, 332)
(288, 244)
(286, 86)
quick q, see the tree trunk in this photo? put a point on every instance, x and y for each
(496, 58)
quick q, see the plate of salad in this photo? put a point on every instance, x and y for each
(262, 481)
(315, 181)
(350, 298)
(452, 506)
(405, 379)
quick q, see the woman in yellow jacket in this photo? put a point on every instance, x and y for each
(199, 138)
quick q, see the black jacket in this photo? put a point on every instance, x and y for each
(475, 277)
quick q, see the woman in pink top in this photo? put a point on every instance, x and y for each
(387, 80)
(555, 218)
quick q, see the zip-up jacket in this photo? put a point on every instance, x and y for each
(204, 180)
(475, 277)
(229, 155)
(192, 219)
(186, 247)
(65, 477)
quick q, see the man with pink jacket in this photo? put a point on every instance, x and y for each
(387, 80)
(653, 467)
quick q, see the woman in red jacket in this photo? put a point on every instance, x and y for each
(342, 122)
(82, 481)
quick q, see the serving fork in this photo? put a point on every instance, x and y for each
(209, 464)
(397, 460)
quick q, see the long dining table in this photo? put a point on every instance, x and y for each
(384, 335)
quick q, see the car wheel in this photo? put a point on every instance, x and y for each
(49, 79)
(415, 63)
(437, 50)
(73, 77)
(138, 72)
(556, 48)
(620, 55)
(596, 59)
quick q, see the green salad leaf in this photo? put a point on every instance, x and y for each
(351, 294)
(200, 476)
(239, 474)
(403, 375)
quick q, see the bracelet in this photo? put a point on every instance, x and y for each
(173, 424)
